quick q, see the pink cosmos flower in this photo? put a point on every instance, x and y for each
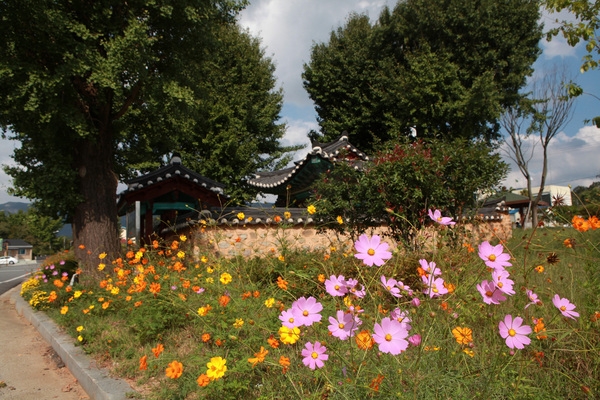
(533, 298)
(437, 217)
(493, 256)
(288, 319)
(390, 336)
(490, 293)
(352, 285)
(402, 317)
(435, 286)
(500, 277)
(372, 251)
(430, 267)
(390, 286)
(404, 288)
(344, 326)
(514, 332)
(415, 302)
(565, 306)
(415, 340)
(336, 285)
(306, 311)
(314, 355)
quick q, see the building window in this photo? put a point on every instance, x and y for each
(22, 252)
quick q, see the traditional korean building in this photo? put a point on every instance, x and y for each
(292, 185)
(153, 201)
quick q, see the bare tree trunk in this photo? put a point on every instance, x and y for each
(95, 223)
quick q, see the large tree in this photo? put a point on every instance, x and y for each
(443, 67)
(97, 90)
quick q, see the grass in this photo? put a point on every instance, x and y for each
(121, 321)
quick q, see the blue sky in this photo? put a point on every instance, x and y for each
(289, 28)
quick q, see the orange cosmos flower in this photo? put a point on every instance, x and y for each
(274, 343)
(569, 243)
(158, 349)
(285, 363)
(144, 363)
(81, 246)
(205, 337)
(174, 245)
(463, 335)
(246, 295)
(154, 288)
(224, 300)
(203, 380)
(321, 278)
(137, 304)
(174, 370)
(539, 269)
(376, 382)
(58, 283)
(256, 293)
(258, 357)
(105, 305)
(364, 340)
(277, 219)
(219, 342)
(282, 283)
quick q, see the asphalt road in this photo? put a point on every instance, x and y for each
(13, 275)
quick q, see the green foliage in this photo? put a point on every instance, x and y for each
(583, 29)
(34, 228)
(403, 181)
(445, 68)
(96, 92)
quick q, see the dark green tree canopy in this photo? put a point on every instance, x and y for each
(443, 67)
(96, 91)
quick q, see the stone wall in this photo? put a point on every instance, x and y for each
(249, 240)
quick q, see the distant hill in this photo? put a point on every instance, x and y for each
(13, 207)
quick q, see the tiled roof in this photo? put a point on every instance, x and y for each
(330, 152)
(17, 244)
(173, 169)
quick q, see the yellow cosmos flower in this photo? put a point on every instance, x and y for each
(241, 216)
(102, 256)
(225, 278)
(64, 310)
(79, 328)
(80, 338)
(202, 311)
(210, 280)
(289, 335)
(238, 323)
(101, 267)
(210, 270)
(204, 259)
(181, 254)
(311, 209)
(77, 294)
(216, 368)
(340, 220)
(269, 302)
(287, 215)
(183, 238)
(114, 290)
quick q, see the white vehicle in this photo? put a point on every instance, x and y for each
(8, 260)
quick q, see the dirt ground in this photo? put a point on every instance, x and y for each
(29, 368)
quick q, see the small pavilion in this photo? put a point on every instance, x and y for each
(153, 201)
(292, 185)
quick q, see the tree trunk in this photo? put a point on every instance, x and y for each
(95, 223)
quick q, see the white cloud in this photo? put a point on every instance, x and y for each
(289, 28)
(572, 160)
(6, 150)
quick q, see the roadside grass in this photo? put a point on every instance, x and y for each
(169, 303)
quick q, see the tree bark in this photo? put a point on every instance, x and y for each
(95, 223)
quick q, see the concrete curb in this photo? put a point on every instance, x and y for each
(95, 381)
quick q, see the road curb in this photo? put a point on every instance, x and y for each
(95, 381)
